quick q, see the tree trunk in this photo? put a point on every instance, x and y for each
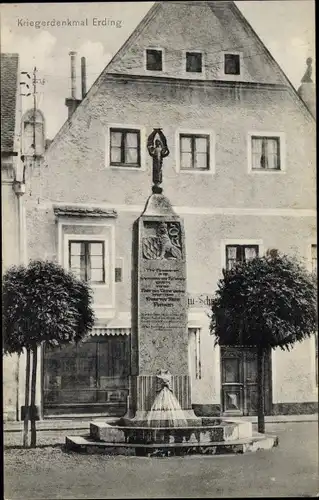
(33, 393)
(17, 378)
(26, 401)
(261, 389)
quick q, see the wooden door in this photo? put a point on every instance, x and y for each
(239, 381)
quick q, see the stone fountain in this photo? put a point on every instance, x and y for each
(160, 419)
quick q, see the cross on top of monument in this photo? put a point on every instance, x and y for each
(157, 148)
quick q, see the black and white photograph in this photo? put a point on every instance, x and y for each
(159, 249)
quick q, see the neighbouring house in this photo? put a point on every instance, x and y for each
(22, 149)
(12, 189)
(241, 172)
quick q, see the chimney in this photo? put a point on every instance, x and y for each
(307, 90)
(73, 74)
(72, 102)
(83, 76)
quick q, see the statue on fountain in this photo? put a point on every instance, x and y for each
(157, 148)
(164, 379)
(166, 410)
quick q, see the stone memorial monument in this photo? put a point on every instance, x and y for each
(159, 339)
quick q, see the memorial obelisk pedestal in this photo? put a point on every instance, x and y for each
(159, 340)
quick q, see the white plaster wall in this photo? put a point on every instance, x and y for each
(10, 256)
(205, 390)
(10, 374)
(293, 374)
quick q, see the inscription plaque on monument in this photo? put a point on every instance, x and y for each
(162, 311)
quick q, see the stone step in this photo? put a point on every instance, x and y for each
(224, 432)
(88, 445)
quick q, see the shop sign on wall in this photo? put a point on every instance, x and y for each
(200, 299)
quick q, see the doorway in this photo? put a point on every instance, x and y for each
(239, 390)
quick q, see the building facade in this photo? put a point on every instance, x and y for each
(12, 206)
(22, 148)
(241, 173)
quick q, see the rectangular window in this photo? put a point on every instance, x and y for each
(231, 64)
(240, 253)
(194, 152)
(86, 260)
(125, 147)
(154, 60)
(265, 153)
(193, 62)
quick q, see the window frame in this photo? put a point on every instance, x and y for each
(234, 54)
(123, 147)
(193, 138)
(266, 138)
(240, 248)
(210, 135)
(194, 53)
(87, 267)
(193, 75)
(142, 146)
(229, 76)
(158, 49)
(282, 152)
(239, 242)
(89, 228)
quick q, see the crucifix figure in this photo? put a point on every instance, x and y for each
(157, 148)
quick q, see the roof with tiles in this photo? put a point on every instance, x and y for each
(9, 82)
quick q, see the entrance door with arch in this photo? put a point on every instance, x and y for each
(239, 390)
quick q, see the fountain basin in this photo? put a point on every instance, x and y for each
(86, 444)
(220, 431)
(213, 436)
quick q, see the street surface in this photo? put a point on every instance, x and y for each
(291, 469)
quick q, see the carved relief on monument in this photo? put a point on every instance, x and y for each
(163, 240)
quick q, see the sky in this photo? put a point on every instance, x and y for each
(287, 28)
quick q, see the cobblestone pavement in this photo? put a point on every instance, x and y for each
(51, 473)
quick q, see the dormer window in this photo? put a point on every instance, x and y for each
(154, 60)
(193, 62)
(231, 64)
